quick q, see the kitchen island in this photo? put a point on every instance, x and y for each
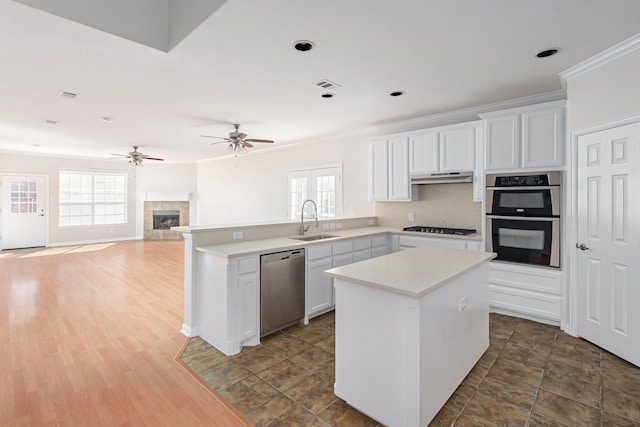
(409, 327)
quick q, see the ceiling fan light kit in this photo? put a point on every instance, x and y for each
(238, 141)
(135, 157)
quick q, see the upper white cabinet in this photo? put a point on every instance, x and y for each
(389, 169)
(528, 137)
(445, 149)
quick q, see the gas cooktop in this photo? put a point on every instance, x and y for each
(440, 230)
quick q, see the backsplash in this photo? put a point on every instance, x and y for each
(441, 205)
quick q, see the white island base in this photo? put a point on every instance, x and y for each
(400, 357)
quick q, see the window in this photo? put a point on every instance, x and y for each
(92, 198)
(24, 196)
(322, 185)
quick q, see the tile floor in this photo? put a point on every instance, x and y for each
(531, 375)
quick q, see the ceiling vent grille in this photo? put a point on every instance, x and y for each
(67, 94)
(327, 84)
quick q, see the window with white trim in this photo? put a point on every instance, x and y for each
(322, 185)
(92, 198)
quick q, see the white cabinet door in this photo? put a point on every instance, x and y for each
(248, 296)
(319, 287)
(542, 136)
(378, 170)
(424, 153)
(399, 186)
(458, 149)
(502, 142)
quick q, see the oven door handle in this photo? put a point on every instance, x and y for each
(523, 218)
(524, 187)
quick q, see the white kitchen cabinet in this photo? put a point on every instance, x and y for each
(319, 288)
(228, 301)
(444, 149)
(361, 249)
(409, 242)
(529, 137)
(389, 169)
(530, 292)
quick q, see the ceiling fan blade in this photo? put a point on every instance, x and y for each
(118, 156)
(210, 136)
(247, 144)
(259, 140)
(152, 158)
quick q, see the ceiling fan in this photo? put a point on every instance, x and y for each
(237, 140)
(135, 157)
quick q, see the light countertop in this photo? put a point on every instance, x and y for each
(253, 247)
(413, 272)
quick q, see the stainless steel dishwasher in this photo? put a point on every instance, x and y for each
(281, 290)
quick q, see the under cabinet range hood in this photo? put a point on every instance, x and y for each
(442, 178)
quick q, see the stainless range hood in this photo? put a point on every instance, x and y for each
(442, 178)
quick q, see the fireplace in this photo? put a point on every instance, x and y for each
(165, 219)
(160, 216)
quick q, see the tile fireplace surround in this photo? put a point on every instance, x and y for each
(149, 207)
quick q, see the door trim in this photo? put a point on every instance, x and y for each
(46, 201)
(569, 322)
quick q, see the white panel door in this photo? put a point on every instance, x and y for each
(458, 150)
(399, 180)
(378, 170)
(423, 153)
(23, 211)
(609, 240)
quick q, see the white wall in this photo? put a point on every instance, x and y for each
(168, 178)
(51, 167)
(607, 93)
(601, 95)
(178, 178)
(252, 187)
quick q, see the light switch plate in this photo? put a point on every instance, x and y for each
(412, 217)
(237, 234)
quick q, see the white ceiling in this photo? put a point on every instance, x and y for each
(239, 66)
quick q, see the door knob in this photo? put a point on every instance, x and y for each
(582, 247)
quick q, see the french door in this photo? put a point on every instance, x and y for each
(23, 219)
(608, 245)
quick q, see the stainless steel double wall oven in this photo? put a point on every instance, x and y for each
(523, 217)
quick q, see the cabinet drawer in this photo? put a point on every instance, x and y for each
(342, 247)
(361, 255)
(526, 278)
(316, 252)
(379, 251)
(359, 244)
(379, 241)
(526, 302)
(248, 265)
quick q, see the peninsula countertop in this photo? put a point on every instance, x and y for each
(251, 247)
(414, 272)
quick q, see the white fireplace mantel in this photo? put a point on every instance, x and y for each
(166, 197)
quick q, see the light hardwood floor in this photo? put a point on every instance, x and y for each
(89, 336)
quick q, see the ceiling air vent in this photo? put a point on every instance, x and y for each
(327, 84)
(67, 94)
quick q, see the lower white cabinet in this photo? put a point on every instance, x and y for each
(319, 287)
(408, 242)
(530, 292)
(228, 301)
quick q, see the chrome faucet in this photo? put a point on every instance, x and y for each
(302, 227)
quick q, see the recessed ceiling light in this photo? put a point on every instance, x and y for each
(327, 95)
(397, 93)
(35, 145)
(547, 52)
(51, 122)
(106, 119)
(304, 45)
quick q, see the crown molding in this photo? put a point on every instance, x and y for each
(608, 55)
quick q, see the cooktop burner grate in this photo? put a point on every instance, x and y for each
(440, 230)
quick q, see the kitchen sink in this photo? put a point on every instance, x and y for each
(316, 237)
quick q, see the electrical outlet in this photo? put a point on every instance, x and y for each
(462, 304)
(237, 234)
(325, 226)
(371, 221)
(412, 217)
